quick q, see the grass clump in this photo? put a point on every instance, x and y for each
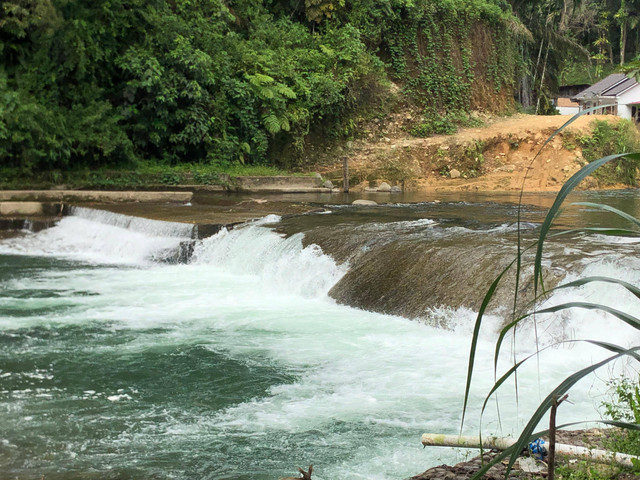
(608, 138)
(147, 175)
(624, 406)
(443, 124)
(587, 470)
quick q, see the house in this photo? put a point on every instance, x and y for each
(617, 94)
(566, 106)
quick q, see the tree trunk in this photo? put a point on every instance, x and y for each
(544, 70)
(623, 40)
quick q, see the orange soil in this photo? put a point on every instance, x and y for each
(510, 145)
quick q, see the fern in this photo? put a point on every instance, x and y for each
(285, 91)
(259, 80)
(271, 123)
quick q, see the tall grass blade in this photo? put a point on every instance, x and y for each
(562, 195)
(625, 317)
(609, 208)
(474, 339)
(560, 390)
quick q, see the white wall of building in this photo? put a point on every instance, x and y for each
(625, 99)
(568, 110)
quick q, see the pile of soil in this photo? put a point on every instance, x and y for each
(494, 157)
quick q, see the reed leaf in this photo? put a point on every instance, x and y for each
(609, 208)
(527, 433)
(560, 198)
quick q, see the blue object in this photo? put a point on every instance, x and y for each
(537, 449)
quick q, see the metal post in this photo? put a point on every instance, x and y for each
(345, 174)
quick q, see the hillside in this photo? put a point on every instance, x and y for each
(492, 157)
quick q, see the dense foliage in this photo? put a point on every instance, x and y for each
(86, 84)
(573, 42)
(609, 138)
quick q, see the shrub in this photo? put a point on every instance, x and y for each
(608, 138)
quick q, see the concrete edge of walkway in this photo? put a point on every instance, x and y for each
(92, 196)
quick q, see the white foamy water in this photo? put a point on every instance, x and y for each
(350, 391)
(101, 237)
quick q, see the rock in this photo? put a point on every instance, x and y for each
(364, 202)
(328, 184)
(453, 173)
(349, 144)
(370, 189)
(384, 187)
(396, 189)
(566, 168)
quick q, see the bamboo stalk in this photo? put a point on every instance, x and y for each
(501, 443)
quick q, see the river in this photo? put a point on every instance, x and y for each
(251, 358)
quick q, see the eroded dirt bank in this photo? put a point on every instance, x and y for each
(494, 157)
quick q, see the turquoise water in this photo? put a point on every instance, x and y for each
(238, 365)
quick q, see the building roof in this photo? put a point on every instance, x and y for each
(621, 87)
(610, 86)
(566, 102)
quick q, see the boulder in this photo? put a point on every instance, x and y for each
(384, 187)
(454, 173)
(396, 189)
(364, 202)
(328, 184)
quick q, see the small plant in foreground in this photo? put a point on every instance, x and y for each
(624, 406)
(587, 470)
(551, 400)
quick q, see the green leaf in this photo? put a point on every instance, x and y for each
(608, 208)
(562, 195)
(527, 434)
(285, 91)
(272, 124)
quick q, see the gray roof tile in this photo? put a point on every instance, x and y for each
(602, 86)
(619, 88)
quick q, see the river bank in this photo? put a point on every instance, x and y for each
(593, 438)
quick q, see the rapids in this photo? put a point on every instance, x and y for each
(279, 343)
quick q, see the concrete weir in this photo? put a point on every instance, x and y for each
(67, 196)
(29, 209)
(279, 184)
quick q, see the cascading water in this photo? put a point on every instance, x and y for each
(239, 365)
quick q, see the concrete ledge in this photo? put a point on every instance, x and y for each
(278, 183)
(92, 196)
(21, 208)
(30, 209)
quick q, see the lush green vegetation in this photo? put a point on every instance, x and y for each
(573, 42)
(608, 138)
(624, 406)
(112, 84)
